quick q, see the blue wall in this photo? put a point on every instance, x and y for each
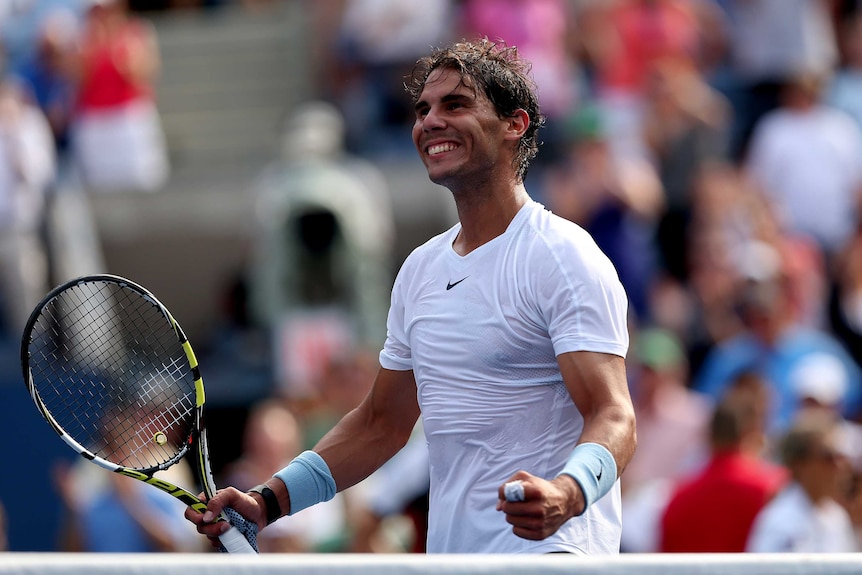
(30, 452)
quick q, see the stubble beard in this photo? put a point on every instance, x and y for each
(464, 181)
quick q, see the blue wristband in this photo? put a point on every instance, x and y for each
(309, 481)
(594, 469)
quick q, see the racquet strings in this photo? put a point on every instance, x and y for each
(107, 365)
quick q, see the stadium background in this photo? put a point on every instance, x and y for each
(229, 79)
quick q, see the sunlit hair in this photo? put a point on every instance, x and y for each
(496, 70)
(807, 437)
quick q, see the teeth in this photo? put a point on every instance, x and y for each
(440, 148)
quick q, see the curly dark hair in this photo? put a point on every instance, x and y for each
(496, 70)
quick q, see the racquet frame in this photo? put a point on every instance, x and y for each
(195, 442)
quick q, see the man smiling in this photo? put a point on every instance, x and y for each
(506, 333)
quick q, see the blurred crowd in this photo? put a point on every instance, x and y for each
(713, 148)
(77, 109)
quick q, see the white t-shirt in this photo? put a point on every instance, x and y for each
(810, 166)
(791, 523)
(481, 333)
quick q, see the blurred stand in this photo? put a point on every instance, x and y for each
(110, 513)
(4, 540)
(273, 436)
(322, 256)
(391, 513)
(27, 171)
(697, 518)
(806, 517)
(369, 46)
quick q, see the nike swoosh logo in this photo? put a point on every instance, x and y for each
(601, 471)
(450, 285)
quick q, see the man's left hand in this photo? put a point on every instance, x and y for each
(546, 506)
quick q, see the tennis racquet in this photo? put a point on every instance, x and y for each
(113, 373)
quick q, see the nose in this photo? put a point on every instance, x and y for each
(432, 120)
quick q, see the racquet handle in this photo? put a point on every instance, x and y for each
(235, 542)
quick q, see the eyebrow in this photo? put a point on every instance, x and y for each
(451, 97)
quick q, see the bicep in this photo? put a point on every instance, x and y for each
(594, 379)
(392, 401)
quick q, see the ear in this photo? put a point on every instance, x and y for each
(517, 124)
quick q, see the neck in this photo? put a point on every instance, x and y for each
(484, 215)
(813, 484)
(816, 494)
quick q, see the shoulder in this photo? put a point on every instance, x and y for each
(541, 219)
(555, 234)
(431, 249)
(759, 478)
(801, 343)
(774, 123)
(434, 245)
(140, 28)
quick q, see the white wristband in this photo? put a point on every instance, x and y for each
(309, 481)
(594, 469)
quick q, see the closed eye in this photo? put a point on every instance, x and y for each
(450, 102)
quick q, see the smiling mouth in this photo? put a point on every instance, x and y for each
(441, 148)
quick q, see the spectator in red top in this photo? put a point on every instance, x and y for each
(622, 40)
(118, 57)
(713, 510)
(117, 141)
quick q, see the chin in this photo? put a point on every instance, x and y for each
(436, 178)
(439, 177)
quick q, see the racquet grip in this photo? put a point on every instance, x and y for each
(235, 542)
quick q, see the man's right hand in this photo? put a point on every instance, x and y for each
(249, 507)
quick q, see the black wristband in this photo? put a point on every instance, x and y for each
(273, 509)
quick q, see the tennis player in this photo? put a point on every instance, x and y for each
(507, 333)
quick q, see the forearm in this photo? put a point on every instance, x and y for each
(604, 449)
(357, 446)
(612, 427)
(599, 388)
(350, 452)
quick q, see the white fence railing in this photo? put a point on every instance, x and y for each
(345, 564)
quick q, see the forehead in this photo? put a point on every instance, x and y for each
(446, 81)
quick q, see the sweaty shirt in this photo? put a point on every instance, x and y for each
(481, 333)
